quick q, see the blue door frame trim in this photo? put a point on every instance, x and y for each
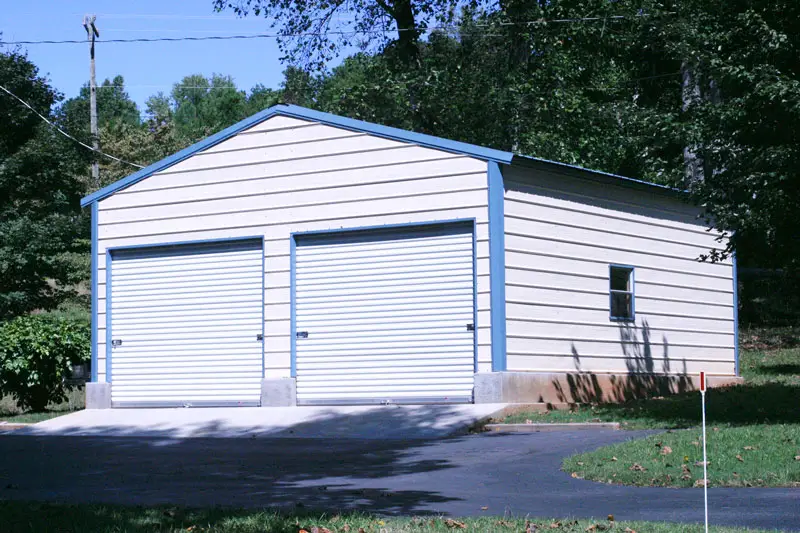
(331, 234)
(303, 113)
(497, 265)
(735, 313)
(95, 296)
(158, 246)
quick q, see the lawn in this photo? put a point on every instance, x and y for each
(10, 412)
(43, 518)
(753, 432)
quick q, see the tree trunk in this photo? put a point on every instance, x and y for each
(407, 34)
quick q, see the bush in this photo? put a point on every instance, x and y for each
(36, 356)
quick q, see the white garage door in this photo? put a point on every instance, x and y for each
(186, 324)
(385, 317)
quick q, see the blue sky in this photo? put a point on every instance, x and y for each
(147, 67)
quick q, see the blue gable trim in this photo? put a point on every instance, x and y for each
(294, 111)
(95, 281)
(497, 266)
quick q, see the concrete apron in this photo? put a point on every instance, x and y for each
(359, 422)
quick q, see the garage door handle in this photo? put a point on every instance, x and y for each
(302, 335)
(260, 337)
(470, 327)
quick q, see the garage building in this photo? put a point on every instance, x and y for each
(299, 257)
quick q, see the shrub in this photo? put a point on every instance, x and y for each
(36, 356)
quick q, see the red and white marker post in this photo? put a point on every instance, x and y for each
(705, 455)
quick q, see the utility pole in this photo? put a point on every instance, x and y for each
(92, 34)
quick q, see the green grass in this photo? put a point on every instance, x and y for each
(749, 456)
(10, 412)
(18, 517)
(753, 432)
(769, 395)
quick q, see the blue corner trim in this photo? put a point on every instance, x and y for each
(292, 315)
(109, 262)
(475, 294)
(294, 111)
(497, 265)
(95, 296)
(263, 312)
(631, 318)
(735, 313)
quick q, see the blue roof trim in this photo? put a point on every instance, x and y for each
(294, 111)
(497, 266)
(623, 179)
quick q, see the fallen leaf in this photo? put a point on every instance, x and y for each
(614, 459)
(700, 483)
(580, 463)
(455, 524)
(716, 429)
(346, 528)
(696, 443)
(797, 457)
(302, 531)
(636, 467)
(629, 530)
(611, 518)
(700, 463)
(735, 474)
(749, 448)
(361, 530)
(529, 421)
(666, 450)
(504, 523)
(574, 474)
(555, 525)
(685, 458)
(591, 528)
(484, 507)
(739, 457)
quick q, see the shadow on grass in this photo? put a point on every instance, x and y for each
(21, 517)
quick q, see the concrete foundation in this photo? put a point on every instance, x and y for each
(98, 395)
(278, 392)
(583, 387)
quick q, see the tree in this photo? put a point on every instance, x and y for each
(313, 32)
(41, 223)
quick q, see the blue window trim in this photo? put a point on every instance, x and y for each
(158, 246)
(497, 266)
(95, 295)
(303, 113)
(631, 318)
(735, 313)
(329, 235)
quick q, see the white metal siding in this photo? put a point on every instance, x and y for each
(286, 176)
(187, 318)
(386, 318)
(561, 233)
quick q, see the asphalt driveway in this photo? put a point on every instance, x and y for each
(509, 474)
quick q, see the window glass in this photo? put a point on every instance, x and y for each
(621, 301)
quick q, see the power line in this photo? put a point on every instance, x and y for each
(529, 23)
(64, 133)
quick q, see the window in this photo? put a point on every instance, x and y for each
(621, 294)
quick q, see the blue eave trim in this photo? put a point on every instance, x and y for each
(294, 111)
(95, 296)
(735, 314)
(497, 265)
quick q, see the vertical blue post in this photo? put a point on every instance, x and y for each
(735, 312)
(292, 305)
(108, 316)
(497, 266)
(95, 309)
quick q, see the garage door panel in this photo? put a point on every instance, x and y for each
(385, 317)
(186, 321)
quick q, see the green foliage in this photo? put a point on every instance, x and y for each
(40, 184)
(36, 355)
